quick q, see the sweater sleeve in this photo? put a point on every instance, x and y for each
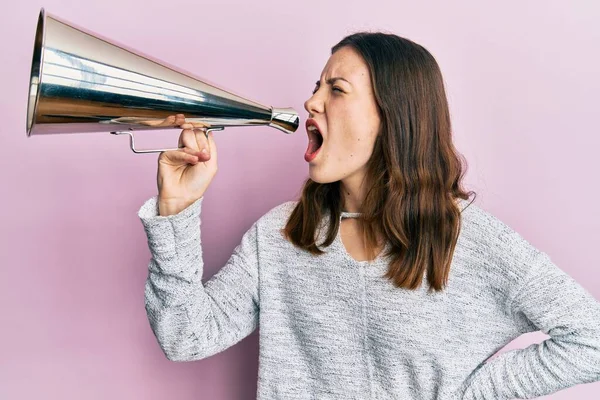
(191, 319)
(550, 300)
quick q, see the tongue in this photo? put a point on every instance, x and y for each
(312, 147)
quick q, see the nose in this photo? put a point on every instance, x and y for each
(314, 104)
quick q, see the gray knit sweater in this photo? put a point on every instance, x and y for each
(332, 328)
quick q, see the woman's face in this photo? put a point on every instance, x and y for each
(344, 108)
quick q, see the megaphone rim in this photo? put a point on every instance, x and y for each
(37, 61)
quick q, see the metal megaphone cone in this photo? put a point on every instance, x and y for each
(82, 83)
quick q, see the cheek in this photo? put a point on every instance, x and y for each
(359, 152)
(348, 150)
(358, 140)
(353, 132)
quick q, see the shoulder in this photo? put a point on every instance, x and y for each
(479, 222)
(277, 216)
(502, 248)
(269, 227)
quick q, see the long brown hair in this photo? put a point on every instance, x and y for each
(414, 174)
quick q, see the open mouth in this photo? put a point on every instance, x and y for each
(315, 141)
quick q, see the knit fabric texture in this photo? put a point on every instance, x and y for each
(332, 328)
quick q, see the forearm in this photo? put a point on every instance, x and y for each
(557, 305)
(192, 320)
(535, 371)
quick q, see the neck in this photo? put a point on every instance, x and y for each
(352, 191)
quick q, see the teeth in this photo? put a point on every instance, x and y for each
(312, 128)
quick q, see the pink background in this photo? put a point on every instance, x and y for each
(523, 85)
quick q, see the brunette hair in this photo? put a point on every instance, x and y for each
(414, 174)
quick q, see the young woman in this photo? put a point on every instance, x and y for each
(382, 281)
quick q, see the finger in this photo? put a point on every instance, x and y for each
(179, 119)
(202, 142)
(177, 157)
(193, 125)
(189, 151)
(187, 139)
(197, 124)
(169, 121)
(150, 122)
(212, 147)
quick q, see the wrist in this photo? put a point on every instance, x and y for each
(168, 207)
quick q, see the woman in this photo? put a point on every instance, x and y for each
(383, 281)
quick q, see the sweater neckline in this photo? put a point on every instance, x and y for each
(370, 267)
(379, 265)
(348, 214)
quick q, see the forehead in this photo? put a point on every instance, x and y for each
(347, 63)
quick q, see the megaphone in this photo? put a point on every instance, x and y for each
(80, 82)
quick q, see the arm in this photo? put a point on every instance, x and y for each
(192, 320)
(549, 300)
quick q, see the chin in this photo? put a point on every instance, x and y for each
(320, 178)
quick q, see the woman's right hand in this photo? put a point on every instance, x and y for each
(185, 174)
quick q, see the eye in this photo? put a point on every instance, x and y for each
(334, 88)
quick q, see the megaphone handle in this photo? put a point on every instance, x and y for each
(137, 151)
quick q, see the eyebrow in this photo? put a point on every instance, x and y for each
(331, 81)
